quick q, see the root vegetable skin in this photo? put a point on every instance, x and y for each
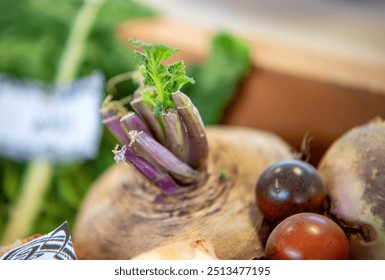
(119, 219)
(195, 248)
(353, 170)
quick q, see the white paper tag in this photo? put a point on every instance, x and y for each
(58, 124)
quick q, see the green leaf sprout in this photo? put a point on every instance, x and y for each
(160, 80)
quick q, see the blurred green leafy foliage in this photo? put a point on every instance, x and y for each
(32, 37)
(218, 78)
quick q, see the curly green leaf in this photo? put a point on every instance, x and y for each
(165, 79)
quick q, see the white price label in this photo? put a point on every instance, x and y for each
(58, 124)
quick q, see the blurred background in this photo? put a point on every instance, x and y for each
(293, 67)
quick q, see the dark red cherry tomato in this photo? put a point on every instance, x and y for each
(288, 187)
(307, 236)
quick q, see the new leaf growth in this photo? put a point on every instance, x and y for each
(164, 79)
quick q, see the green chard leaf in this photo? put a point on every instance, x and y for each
(164, 79)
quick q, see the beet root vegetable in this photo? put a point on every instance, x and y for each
(119, 218)
(179, 178)
(353, 170)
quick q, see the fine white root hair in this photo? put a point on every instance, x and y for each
(119, 153)
(134, 134)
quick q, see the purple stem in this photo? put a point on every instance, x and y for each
(198, 146)
(162, 180)
(176, 135)
(131, 121)
(144, 111)
(157, 154)
(111, 119)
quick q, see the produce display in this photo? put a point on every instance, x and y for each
(184, 187)
(243, 191)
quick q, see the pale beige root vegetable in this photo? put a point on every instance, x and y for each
(119, 219)
(196, 247)
(353, 170)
